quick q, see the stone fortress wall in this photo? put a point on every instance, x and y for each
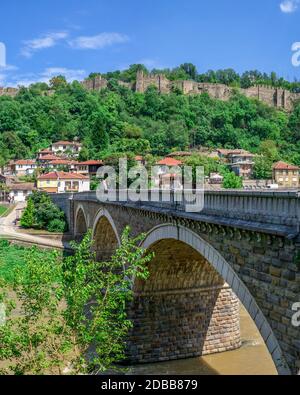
(274, 97)
(8, 91)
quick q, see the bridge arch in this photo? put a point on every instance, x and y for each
(81, 223)
(105, 235)
(189, 238)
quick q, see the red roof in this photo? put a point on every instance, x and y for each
(25, 162)
(50, 157)
(139, 158)
(169, 162)
(55, 175)
(62, 162)
(284, 166)
(91, 162)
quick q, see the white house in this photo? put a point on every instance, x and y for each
(19, 192)
(60, 182)
(23, 167)
(61, 147)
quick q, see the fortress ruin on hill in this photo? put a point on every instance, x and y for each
(275, 97)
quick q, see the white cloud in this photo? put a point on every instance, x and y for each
(289, 6)
(70, 74)
(44, 76)
(99, 41)
(47, 41)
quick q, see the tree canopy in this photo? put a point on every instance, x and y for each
(116, 119)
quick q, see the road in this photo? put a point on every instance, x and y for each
(10, 231)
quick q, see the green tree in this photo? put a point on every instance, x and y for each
(52, 330)
(42, 213)
(262, 168)
(28, 217)
(232, 181)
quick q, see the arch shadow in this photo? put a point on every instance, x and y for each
(81, 224)
(105, 235)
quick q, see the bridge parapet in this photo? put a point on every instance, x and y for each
(278, 208)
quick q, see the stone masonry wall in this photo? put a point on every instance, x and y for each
(184, 309)
(183, 324)
(274, 97)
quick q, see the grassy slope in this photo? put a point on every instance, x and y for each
(13, 256)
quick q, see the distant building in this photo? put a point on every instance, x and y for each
(286, 175)
(170, 181)
(216, 178)
(60, 182)
(46, 159)
(61, 147)
(242, 164)
(8, 180)
(58, 164)
(140, 160)
(226, 154)
(170, 162)
(89, 167)
(162, 178)
(22, 167)
(44, 152)
(240, 161)
(20, 191)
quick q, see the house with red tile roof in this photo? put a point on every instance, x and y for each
(89, 167)
(59, 164)
(42, 153)
(22, 167)
(286, 175)
(165, 176)
(61, 182)
(19, 192)
(170, 162)
(45, 159)
(61, 147)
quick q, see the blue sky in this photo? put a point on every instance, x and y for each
(74, 38)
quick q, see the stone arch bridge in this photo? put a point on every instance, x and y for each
(243, 246)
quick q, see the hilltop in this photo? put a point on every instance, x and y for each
(119, 116)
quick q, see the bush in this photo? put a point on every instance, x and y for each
(56, 225)
(42, 213)
(28, 217)
(232, 181)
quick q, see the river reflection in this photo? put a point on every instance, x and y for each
(252, 358)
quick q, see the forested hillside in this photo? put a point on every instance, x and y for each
(119, 120)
